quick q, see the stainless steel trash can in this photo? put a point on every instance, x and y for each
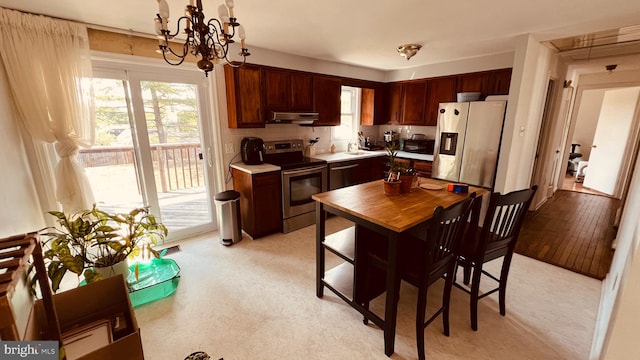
(228, 213)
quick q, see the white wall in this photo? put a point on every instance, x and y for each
(20, 210)
(531, 68)
(615, 335)
(491, 62)
(293, 62)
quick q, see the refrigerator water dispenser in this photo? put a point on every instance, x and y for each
(448, 143)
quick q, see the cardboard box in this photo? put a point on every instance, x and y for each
(105, 300)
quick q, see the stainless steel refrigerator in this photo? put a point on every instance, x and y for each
(468, 142)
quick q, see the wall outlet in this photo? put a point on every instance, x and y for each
(228, 148)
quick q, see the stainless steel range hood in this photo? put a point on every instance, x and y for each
(299, 118)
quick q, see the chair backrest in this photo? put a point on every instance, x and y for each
(444, 232)
(504, 219)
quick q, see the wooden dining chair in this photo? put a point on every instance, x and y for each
(426, 258)
(496, 238)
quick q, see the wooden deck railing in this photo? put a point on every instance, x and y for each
(176, 166)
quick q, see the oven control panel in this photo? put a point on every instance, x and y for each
(283, 146)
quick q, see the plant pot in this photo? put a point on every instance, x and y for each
(391, 187)
(108, 271)
(406, 181)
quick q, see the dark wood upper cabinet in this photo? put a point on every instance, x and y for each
(441, 90)
(413, 102)
(494, 82)
(499, 82)
(244, 96)
(367, 107)
(253, 91)
(301, 92)
(286, 90)
(277, 89)
(326, 100)
(394, 98)
(473, 82)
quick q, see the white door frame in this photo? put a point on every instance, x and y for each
(622, 182)
(145, 69)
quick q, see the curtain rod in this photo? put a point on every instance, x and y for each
(91, 26)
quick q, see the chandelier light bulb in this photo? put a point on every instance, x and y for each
(242, 35)
(230, 6)
(223, 13)
(163, 9)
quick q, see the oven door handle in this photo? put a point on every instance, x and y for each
(302, 171)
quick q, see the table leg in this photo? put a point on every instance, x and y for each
(320, 235)
(391, 302)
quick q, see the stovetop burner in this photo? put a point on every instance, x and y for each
(288, 154)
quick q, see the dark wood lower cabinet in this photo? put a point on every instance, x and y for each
(260, 202)
(423, 168)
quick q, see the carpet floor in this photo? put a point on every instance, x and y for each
(256, 300)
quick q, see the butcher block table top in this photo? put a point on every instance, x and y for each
(394, 212)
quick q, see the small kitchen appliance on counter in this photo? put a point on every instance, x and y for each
(419, 145)
(252, 150)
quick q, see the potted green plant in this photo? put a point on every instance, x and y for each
(392, 180)
(90, 240)
(398, 170)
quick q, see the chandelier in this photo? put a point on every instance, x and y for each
(210, 40)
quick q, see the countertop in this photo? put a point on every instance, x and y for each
(368, 202)
(363, 154)
(331, 158)
(255, 169)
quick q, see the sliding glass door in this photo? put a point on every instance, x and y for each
(152, 147)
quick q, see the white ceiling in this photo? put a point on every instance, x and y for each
(367, 32)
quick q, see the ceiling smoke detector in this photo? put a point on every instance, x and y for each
(408, 50)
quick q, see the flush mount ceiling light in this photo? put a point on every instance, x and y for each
(408, 50)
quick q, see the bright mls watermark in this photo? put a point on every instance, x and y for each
(40, 350)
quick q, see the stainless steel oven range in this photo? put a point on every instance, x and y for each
(302, 177)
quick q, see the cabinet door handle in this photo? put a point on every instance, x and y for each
(345, 167)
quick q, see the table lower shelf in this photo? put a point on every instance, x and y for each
(340, 280)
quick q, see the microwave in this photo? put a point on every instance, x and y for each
(422, 146)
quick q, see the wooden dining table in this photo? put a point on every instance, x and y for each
(390, 216)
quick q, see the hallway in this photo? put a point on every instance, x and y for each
(569, 183)
(572, 230)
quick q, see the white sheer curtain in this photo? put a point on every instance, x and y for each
(49, 72)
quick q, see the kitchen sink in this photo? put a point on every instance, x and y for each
(355, 152)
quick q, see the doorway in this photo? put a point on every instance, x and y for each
(603, 138)
(152, 148)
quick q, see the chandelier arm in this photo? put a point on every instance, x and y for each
(164, 55)
(234, 63)
(185, 51)
(167, 34)
(213, 39)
